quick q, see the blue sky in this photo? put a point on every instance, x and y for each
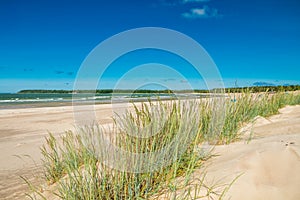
(43, 43)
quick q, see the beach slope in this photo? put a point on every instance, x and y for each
(267, 158)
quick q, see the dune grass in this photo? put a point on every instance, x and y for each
(75, 164)
(249, 105)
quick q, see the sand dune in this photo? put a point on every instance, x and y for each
(269, 164)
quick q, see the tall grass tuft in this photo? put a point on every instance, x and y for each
(247, 106)
(78, 163)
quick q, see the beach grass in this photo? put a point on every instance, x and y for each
(76, 162)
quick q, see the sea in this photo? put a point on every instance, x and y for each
(30, 100)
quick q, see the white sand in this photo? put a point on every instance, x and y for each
(22, 132)
(270, 163)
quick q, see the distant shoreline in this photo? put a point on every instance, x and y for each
(54, 100)
(144, 91)
(57, 98)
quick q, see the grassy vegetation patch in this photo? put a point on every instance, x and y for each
(76, 163)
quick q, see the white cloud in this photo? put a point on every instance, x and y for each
(180, 2)
(194, 1)
(198, 11)
(205, 12)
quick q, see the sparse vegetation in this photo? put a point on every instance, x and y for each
(76, 163)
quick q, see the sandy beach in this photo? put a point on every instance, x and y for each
(269, 162)
(224, 76)
(22, 132)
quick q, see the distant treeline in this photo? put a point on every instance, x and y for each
(232, 90)
(264, 88)
(108, 91)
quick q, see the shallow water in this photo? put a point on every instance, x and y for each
(31, 100)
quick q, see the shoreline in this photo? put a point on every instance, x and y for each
(38, 103)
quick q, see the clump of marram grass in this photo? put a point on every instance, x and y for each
(85, 167)
(81, 163)
(247, 106)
